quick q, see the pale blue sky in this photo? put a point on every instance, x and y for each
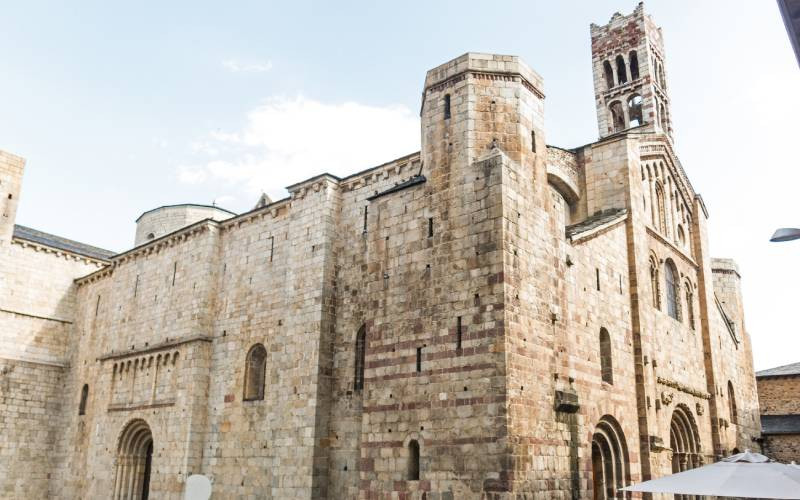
(121, 108)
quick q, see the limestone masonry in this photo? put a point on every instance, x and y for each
(491, 317)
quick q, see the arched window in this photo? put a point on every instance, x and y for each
(609, 73)
(635, 111)
(413, 460)
(254, 373)
(617, 116)
(606, 362)
(690, 305)
(84, 398)
(634, 59)
(681, 237)
(361, 352)
(671, 278)
(654, 283)
(622, 74)
(663, 115)
(732, 404)
(661, 215)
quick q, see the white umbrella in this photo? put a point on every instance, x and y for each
(747, 475)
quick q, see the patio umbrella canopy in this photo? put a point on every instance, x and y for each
(746, 475)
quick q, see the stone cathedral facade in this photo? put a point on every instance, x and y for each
(491, 317)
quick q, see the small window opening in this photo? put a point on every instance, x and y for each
(635, 111)
(634, 62)
(84, 398)
(413, 460)
(622, 74)
(97, 306)
(597, 278)
(174, 272)
(430, 227)
(361, 351)
(136, 286)
(671, 278)
(150, 236)
(271, 247)
(732, 404)
(458, 334)
(419, 359)
(366, 210)
(609, 73)
(447, 106)
(606, 364)
(617, 116)
(255, 372)
(533, 141)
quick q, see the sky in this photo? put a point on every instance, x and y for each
(122, 107)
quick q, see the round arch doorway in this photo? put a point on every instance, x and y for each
(134, 462)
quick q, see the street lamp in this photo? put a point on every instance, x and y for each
(785, 234)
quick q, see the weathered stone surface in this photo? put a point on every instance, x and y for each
(476, 305)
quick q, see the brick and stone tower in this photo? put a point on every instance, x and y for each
(630, 83)
(11, 168)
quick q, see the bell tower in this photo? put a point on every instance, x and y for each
(630, 84)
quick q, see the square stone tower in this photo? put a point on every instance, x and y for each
(630, 82)
(11, 168)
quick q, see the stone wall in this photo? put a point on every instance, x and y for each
(512, 315)
(30, 396)
(779, 395)
(783, 447)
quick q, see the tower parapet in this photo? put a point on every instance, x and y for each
(629, 78)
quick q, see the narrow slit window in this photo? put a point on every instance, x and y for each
(597, 278)
(174, 272)
(430, 227)
(361, 350)
(458, 334)
(97, 306)
(366, 211)
(84, 398)
(419, 359)
(271, 247)
(413, 460)
(533, 141)
(447, 106)
(136, 286)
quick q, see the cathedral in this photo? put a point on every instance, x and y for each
(491, 318)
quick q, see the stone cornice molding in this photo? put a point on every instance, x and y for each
(683, 388)
(163, 346)
(57, 252)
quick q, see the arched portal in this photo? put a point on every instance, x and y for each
(685, 443)
(610, 465)
(134, 462)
